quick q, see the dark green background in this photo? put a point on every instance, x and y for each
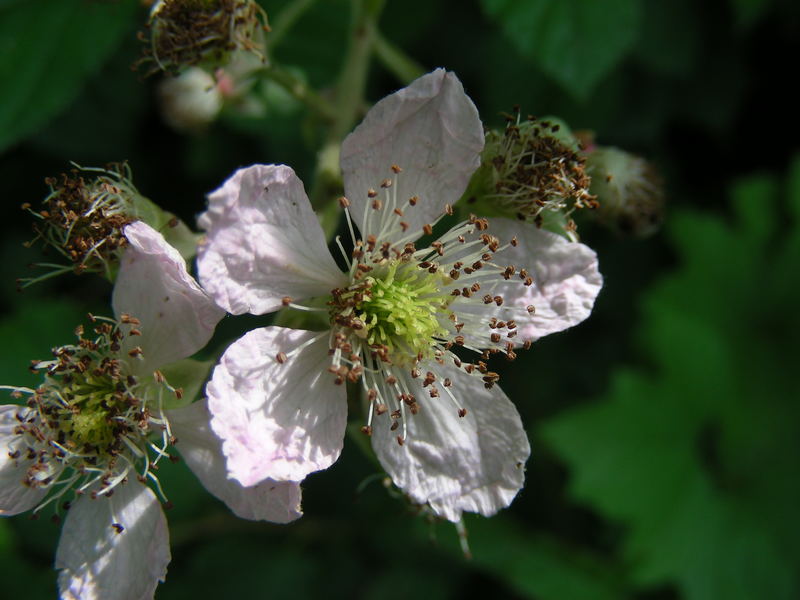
(664, 429)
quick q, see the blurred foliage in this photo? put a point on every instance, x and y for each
(43, 70)
(664, 429)
(697, 452)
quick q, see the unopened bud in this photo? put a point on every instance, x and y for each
(190, 101)
(629, 189)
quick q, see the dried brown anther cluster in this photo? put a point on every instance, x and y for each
(536, 169)
(184, 33)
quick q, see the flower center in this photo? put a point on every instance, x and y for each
(92, 424)
(399, 311)
(92, 403)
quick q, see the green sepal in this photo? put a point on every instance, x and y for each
(175, 231)
(189, 375)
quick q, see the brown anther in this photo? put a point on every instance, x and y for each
(343, 202)
(394, 426)
(514, 241)
(495, 337)
(372, 395)
(498, 300)
(527, 344)
(462, 412)
(371, 193)
(400, 440)
(396, 169)
(530, 308)
(391, 380)
(281, 357)
(398, 212)
(448, 210)
(137, 351)
(427, 229)
(380, 409)
(286, 301)
(386, 183)
(404, 226)
(366, 430)
(377, 204)
(413, 200)
(528, 281)
(459, 340)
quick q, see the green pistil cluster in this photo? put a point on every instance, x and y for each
(394, 308)
(401, 313)
(92, 404)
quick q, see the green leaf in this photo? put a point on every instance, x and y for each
(48, 48)
(696, 455)
(577, 42)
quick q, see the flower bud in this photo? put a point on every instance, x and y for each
(190, 101)
(629, 189)
(533, 171)
(185, 33)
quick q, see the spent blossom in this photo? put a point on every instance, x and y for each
(89, 439)
(398, 315)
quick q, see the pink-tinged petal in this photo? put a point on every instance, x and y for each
(263, 243)
(431, 130)
(177, 317)
(474, 463)
(276, 501)
(277, 421)
(15, 496)
(566, 278)
(113, 548)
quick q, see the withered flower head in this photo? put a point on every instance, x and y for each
(533, 170)
(184, 33)
(83, 218)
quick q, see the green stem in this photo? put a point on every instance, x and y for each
(349, 102)
(402, 66)
(301, 91)
(285, 20)
(353, 78)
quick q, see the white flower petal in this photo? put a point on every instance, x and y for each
(277, 421)
(15, 496)
(431, 130)
(99, 563)
(566, 278)
(474, 463)
(264, 243)
(177, 317)
(276, 501)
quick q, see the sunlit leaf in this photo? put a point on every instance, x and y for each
(575, 41)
